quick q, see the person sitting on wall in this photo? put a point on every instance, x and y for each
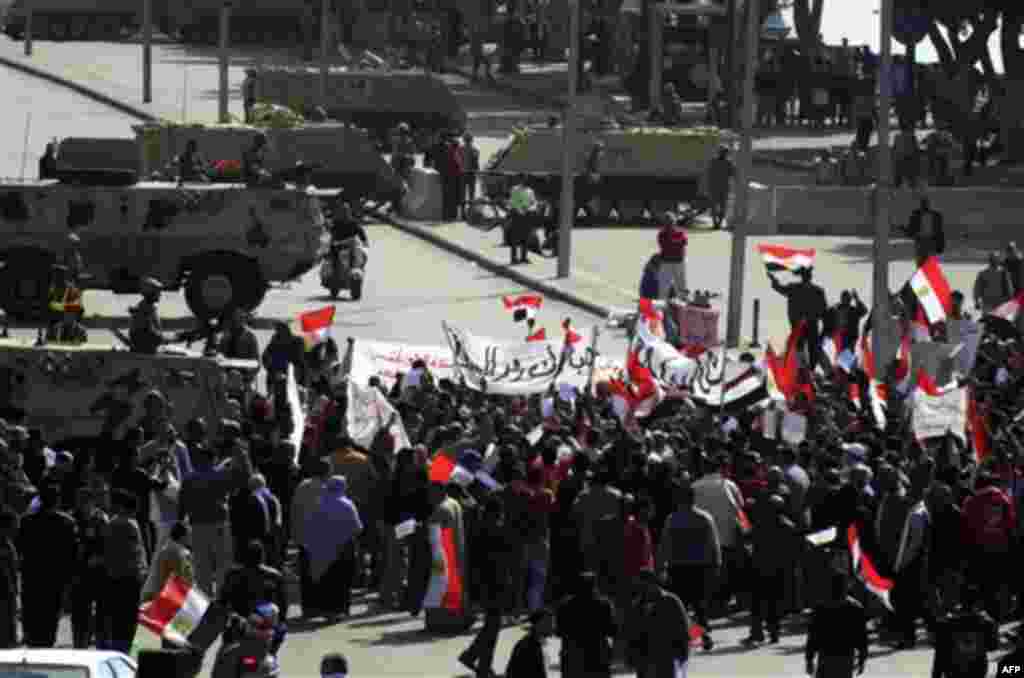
(48, 163)
(191, 166)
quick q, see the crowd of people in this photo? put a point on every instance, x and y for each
(633, 541)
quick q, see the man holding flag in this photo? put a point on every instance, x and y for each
(805, 303)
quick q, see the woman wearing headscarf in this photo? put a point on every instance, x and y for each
(329, 539)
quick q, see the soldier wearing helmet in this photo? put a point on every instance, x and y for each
(146, 332)
(254, 161)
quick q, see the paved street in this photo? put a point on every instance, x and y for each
(408, 300)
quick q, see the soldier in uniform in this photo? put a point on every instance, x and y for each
(146, 333)
(239, 342)
(254, 161)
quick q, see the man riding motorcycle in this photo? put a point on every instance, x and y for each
(346, 261)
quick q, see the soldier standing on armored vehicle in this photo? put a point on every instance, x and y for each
(254, 171)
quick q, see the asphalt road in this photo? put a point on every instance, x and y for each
(411, 288)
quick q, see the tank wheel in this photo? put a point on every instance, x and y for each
(355, 287)
(79, 28)
(25, 284)
(221, 283)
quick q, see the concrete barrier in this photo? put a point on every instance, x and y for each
(849, 210)
(423, 201)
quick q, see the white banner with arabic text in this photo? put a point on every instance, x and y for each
(513, 368)
(387, 360)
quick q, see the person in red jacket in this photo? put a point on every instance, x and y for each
(988, 523)
(452, 177)
(672, 241)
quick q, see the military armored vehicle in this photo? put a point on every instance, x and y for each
(80, 19)
(341, 156)
(222, 243)
(75, 393)
(641, 166)
(375, 100)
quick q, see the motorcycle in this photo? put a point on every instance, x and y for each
(344, 267)
(249, 648)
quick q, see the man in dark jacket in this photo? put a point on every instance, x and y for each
(927, 230)
(124, 556)
(253, 583)
(47, 543)
(87, 595)
(805, 303)
(255, 514)
(775, 543)
(586, 625)
(662, 645)
(837, 640)
(491, 557)
(9, 580)
(527, 660)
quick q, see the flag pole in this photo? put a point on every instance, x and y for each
(595, 335)
(721, 386)
(346, 363)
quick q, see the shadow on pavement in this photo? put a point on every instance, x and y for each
(957, 252)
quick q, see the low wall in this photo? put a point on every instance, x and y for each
(849, 211)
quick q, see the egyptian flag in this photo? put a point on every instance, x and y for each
(446, 589)
(572, 337)
(878, 392)
(1002, 320)
(775, 377)
(647, 393)
(866, 571)
(315, 326)
(929, 290)
(183, 615)
(652, 317)
(978, 427)
(524, 307)
(444, 469)
(927, 385)
(903, 374)
(920, 330)
(853, 392)
(777, 258)
(539, 335)
(793, 371)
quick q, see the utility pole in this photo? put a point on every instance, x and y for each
(655, 26)
(883, 190)
(568, 209)
(225, 38)
(741, 214)
(147, 51)
(325, 39)
(28, 27)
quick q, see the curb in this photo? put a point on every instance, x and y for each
(504, 271)
(87, 92)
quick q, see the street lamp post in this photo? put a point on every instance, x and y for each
(568, 209)
(883, 191)
(147, 51)
(325, 37)
(741, 215)
(28, 27)
(225, 36)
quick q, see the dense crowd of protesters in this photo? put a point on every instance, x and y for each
(701, 512)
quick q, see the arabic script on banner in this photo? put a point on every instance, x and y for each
(936, 416)
(510, 368)
(388, 360)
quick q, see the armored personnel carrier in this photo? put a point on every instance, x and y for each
(80, 19)
(222, 243)
(641, 167)
(341, 156)
(375, 100)
(76, 393)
